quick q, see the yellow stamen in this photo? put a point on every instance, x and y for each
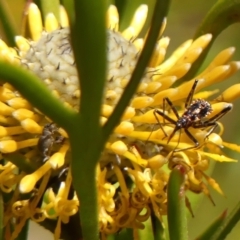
(119, 147)
(222, 58)
(19, 103)
(22, 43)
(112, 18)
(137, 22)
(170, 62)
(124, 128)
(6, 93)
(22, 114)
(141, 102)
(8, 131)
(29, 181)
(217, 157)
(58, 159)
(121, 181)
(31, 126)
(157, 161)
(63, 17)
(230, 94)
(35, 21)
(51, 23)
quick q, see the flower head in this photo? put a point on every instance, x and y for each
(139, 150)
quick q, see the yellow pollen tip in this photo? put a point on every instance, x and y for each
(124, 128)
(8, 131)
(157, 161)
(137, 22)
(51, 23)
(8, 146)
(63, 17)
(141, 102)
(215, 138)
(22, 43)
(112, 18)
(129, 113)
(29, 181)
(230, 94)
(58, 159)
(35, 21)
(119, 147)
(202, 41)
(19, 102)
(22, 114)
(31, 126)
(5, 110)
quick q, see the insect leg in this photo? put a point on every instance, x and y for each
(155, 112)
(219, 115)
(195, 141)
(213, 120)
(172, 107)
(191, 93)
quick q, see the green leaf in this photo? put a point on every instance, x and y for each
(177, 220)
(7, 23)
(221, 15)
(158, 229)
(228, 224)
(211, 230)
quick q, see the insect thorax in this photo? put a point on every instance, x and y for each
(198, 110)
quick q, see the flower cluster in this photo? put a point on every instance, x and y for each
(137, 151)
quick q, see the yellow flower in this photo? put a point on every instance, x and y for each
(138, 150)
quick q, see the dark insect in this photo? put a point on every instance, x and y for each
(194, 116)
(49, 137)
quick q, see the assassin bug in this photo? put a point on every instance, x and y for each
(194, 116)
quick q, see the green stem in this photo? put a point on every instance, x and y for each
(89, 45)
(158, 229)
(177, 220)
(84, 180)
(160, 11)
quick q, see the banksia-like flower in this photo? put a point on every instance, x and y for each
(138, 151)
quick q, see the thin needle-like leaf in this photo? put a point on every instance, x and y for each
(221, 15)
(160, 12)
(177, 220)
(211, 230)
(36, 92)
(228, 225)
(7, 23)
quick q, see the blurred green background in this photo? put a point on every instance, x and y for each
(183, 20)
